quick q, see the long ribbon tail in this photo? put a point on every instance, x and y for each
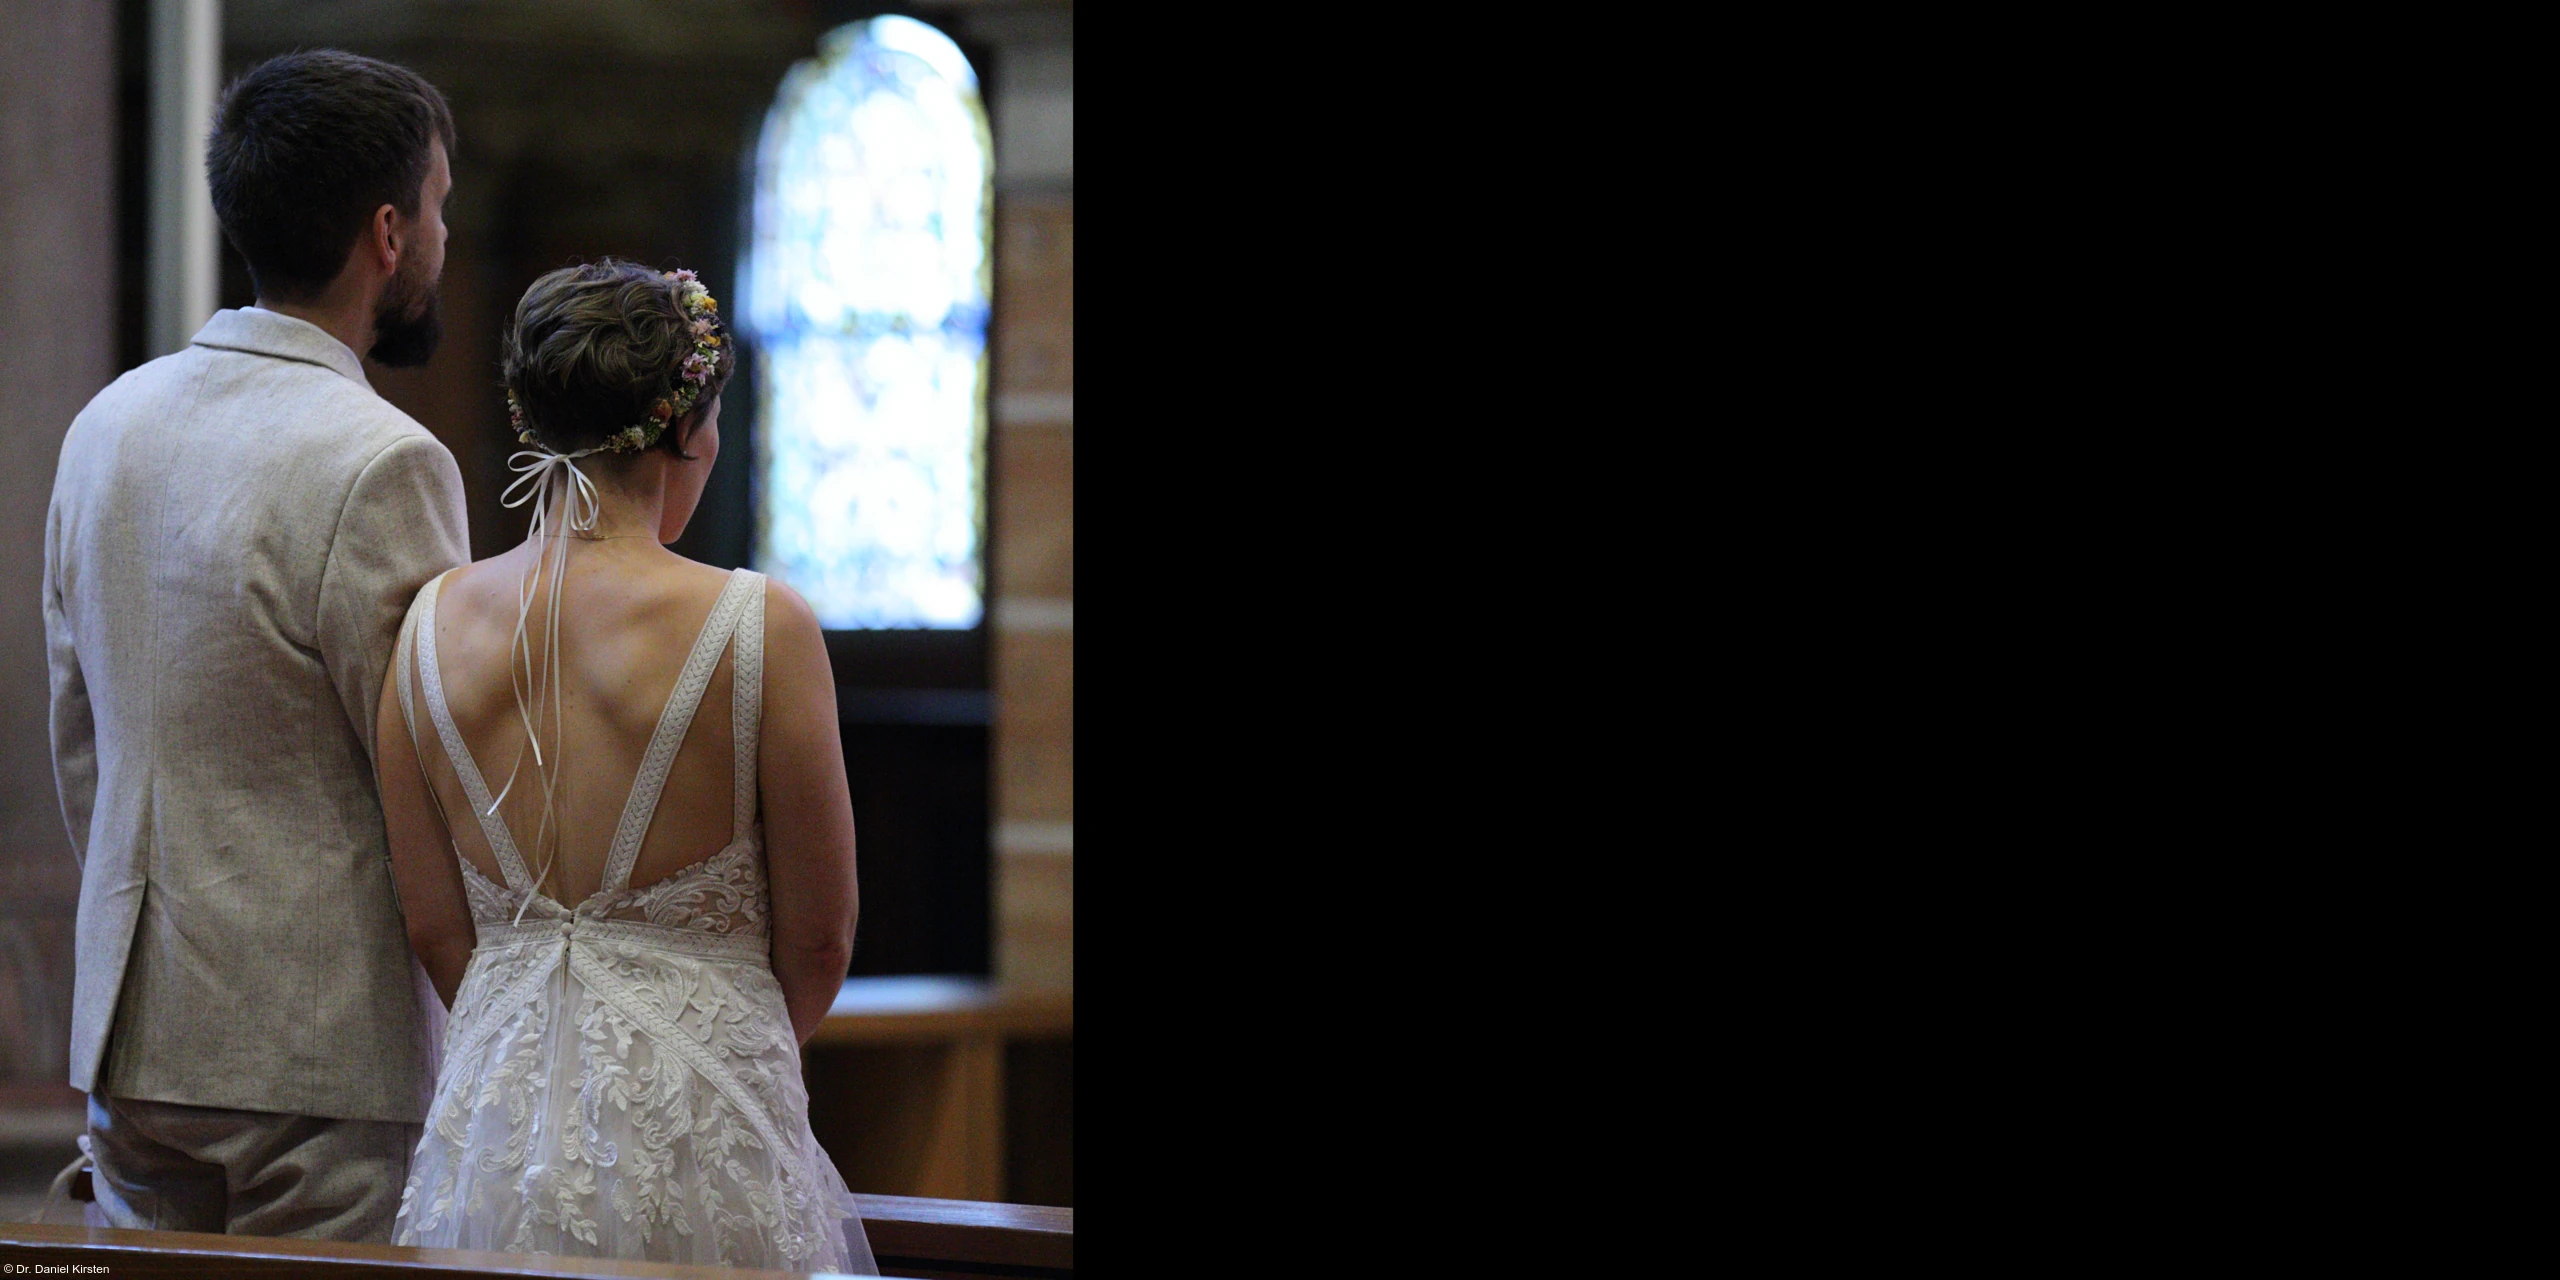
(579, 507)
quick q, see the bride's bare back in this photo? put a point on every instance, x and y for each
(629, 615)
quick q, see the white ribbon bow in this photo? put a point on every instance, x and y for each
(535, 469)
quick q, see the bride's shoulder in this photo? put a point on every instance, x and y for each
(788, 617)
(439, 588)
(792, 635)
(689, 576)
(478, 577)
(671, 590)
(784, 606)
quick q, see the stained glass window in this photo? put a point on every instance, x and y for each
(865, 292)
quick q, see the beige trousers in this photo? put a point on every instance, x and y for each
(166, 1166)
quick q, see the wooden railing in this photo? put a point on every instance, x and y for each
(928, 1239)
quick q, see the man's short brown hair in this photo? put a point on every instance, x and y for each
(305, 147)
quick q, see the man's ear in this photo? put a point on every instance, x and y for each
(385, 238)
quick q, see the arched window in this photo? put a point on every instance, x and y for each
(865, 292)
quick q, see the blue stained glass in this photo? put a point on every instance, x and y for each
(865, 292)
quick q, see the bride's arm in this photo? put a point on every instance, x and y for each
(422, 861)
(808, 813)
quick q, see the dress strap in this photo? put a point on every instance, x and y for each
(403, 668)
(746, 707)
(474, 787)
(672, 723)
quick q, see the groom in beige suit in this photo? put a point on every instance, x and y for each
(235, 533)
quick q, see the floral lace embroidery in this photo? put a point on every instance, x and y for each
(489, 902)
(643, 1143)
(724, 893)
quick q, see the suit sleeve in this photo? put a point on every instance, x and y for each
(402, 525)
(75, 728)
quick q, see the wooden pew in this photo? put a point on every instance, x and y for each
(927, 1115)
(908, 1088)
(927, 1239)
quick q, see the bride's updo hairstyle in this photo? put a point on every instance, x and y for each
(603, 355)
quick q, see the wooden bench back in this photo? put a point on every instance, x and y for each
(928, 1239)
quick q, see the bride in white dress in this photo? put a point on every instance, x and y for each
(654, 741)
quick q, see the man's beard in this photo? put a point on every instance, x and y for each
(408, 327)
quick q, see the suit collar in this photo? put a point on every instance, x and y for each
(268, 333)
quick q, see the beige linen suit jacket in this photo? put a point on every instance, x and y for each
(235, 534)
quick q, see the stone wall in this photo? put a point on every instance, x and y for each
(1035, 641)
(57, 340)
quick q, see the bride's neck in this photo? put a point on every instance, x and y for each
(629, 504)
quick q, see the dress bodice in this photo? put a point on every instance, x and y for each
(724, 893)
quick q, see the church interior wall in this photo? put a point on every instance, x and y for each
(57, 327)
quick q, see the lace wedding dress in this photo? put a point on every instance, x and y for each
(620, 1079)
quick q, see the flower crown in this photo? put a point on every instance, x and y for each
(703, 311)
